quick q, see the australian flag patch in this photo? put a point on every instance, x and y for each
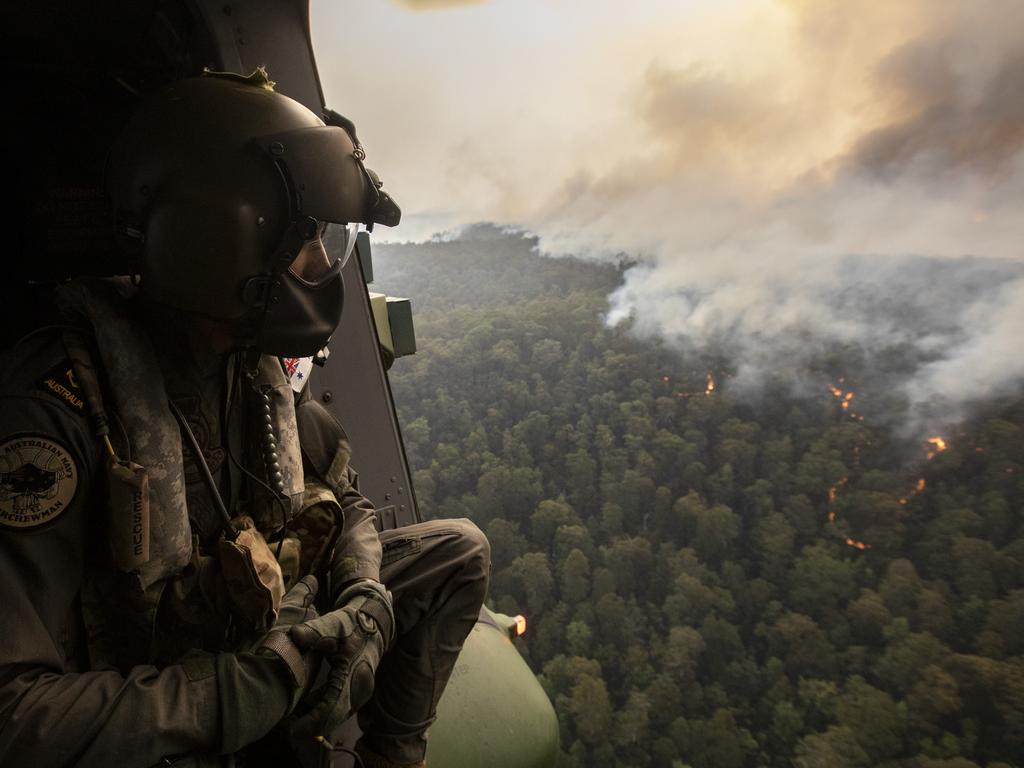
(297, 370)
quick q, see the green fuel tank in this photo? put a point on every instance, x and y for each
(493, 713)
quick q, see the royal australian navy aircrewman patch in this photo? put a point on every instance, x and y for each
(62, 383)
(38, 479)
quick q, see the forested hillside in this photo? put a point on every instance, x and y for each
(713, 580)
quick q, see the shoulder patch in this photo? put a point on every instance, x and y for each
(62, 383)
(297, 369)
(38, 479)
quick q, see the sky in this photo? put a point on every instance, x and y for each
(758, 158)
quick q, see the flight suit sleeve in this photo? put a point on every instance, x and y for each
(326, 451)
(359, 543)
(54, 711)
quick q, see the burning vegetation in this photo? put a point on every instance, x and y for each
(833, 494)
(938, 445)
(709, 387)
(845, 397)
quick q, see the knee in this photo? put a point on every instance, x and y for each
(472, 553)
(474, 547)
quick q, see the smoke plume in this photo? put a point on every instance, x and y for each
(865, 193)
(793, 177)
(434, 5)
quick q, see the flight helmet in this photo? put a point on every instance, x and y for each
(225, 191)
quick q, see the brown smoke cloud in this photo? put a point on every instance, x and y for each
(765, 161)
(435, 5)
(888, 132)
(905, 98)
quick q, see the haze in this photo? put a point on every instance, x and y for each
(743, 152)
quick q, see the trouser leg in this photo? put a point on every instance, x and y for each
(437, 573)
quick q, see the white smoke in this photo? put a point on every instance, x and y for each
(794, 176)
(759, 237)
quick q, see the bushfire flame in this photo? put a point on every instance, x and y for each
(845, 398)
(709, 387)
(921, 485)
(938, 445)
(833, 492)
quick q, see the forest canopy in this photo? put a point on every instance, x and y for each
(713, 578)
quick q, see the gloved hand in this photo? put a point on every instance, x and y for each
(352, 638)
(258, 688)
(296, 608)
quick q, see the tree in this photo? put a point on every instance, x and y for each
(786, 726)
(575, 577)
(838, 747)
(506, 543)
(577, 638)
(629, 558)
(717, 529)
(591, 710)
(698, 575)
(691, 600)
(901, 587)
(868, 618)
(906, 655)
(876, 721)
(820, 582)
(721, 642)
(550, 515)
(802, 516)
(800, 643)
(974, 558)
(819, 701)
(532, 575)
(581, 480)
(632, 720)
(773, 537)
(934, 701)
(570, 537)
(681, 654)
(720, 743)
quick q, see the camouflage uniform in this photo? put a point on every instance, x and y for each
(98, 668)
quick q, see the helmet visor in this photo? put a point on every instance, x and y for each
(317, 258)
(326, 180)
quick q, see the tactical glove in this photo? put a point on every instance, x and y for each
(258, 688)
(352, 638)
(296, 608)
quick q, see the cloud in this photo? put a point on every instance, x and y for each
(782, 214)
(435, 5)
(794, 176)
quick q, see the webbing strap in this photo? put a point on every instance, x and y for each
(281, 646)
(376, 610)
